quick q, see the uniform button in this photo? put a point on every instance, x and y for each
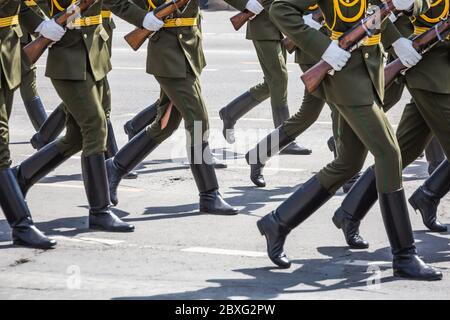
(178, 22)
(180, 36)
(85, 36)
(366, 56)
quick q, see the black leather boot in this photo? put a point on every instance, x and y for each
(435, 155)
(349, 184)
(406, 263)
(36, 112)
(426, 199)
(36, 167)
(126, 159)
(97, 191)
(280, 115)
(204, 174)
(293, 211)
(261, 153)
(50, 129)
(140, 121)
(354, 208)
(235, 110)
(112, 149)
(24, 232)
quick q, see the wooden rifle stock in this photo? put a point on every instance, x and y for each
(37, 47)
(348, 41)
(422, 43)
(137, 37)
(241, 18)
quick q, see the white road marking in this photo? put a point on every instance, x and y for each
(269, 169)
(80, 186)
(365, 263)
(252, 254)
(109, 242)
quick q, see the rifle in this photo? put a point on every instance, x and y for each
(289, 45)
(241, 18)
(137, 37)
(349, 41)
(422, 43)
(37, 47)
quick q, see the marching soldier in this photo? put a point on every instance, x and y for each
(78, 63)
(178, 76)
(16, 210)
(55, 123)
(266, 39)
(28, 89)
(429, 85)
(356, 90)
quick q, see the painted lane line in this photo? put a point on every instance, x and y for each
(80, 186)
(252, 254)
(365, 263)
(109, 242)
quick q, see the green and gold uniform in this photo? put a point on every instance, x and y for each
(77, 66)
(356, 92)
(427, 115)
(177, 48)
(12, 202)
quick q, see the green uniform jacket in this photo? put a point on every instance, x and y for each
(361, 82)
(432, 73)
(10, 46)
(261, 27)
(86, 49)
(164, 57)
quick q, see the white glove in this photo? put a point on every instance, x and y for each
(254, 6)
(335, 56)
(311, 22)
(403, 4)
(152, 23)
(406, 53)
(51, 30)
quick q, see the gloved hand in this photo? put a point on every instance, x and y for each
(392, 17)
(152, 23)
(335, 56)
(406, 53)
(403, 4)
(254, 6)
(311, 22)
(51, 30)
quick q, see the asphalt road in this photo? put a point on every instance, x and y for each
(177, 253)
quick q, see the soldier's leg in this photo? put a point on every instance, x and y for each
(237, 108)
(50, 129)
(272, 57)
(187, 98)
(314, 193)
(141, 145)
(286, 133)
(435, 155)
(435, 109)
(140, 121)
(83, 100)
(28, 90)
(12, 202)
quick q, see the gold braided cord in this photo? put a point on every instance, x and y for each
(443, 14)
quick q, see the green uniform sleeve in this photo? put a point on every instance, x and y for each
(389, 34)
(237, 4)
(126, 10)
(29, 19)
(288, 17)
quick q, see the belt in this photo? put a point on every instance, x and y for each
(106, 14)
(87, 21)
(9, 21)
(30, 3)
(180, 22)
(369, 41)
(420, 30)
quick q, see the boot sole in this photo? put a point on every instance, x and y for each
(299, 153)
(405, 276)
(220, 213)
(27, 245)
(99, 228)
